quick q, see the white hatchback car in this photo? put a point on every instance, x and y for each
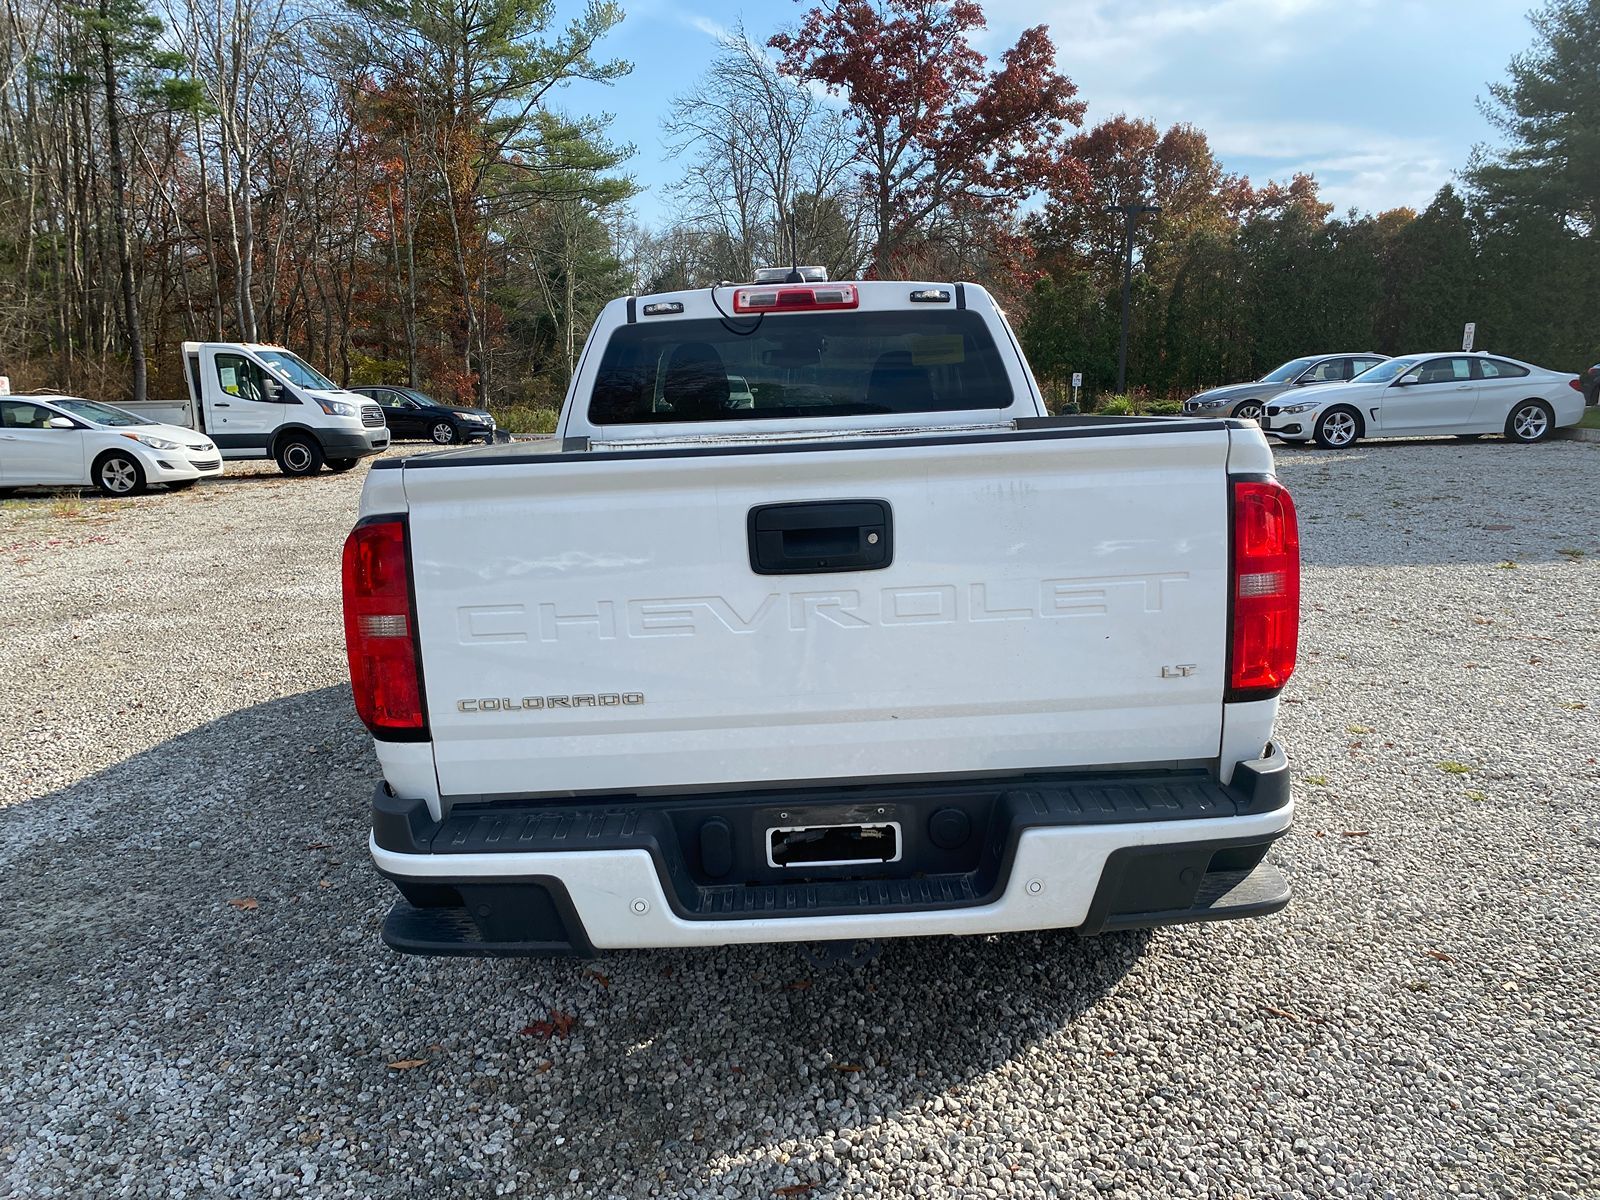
(1433, 395)
(62, 441)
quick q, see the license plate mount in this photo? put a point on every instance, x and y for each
(850, 844)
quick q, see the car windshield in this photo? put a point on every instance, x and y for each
(99, 414)
(1288, 371)
(1385, 371)
(799, 365)
(296, 370)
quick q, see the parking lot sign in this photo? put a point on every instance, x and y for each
(1468, 334)
(1077, 379)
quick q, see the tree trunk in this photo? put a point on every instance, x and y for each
(119, 201)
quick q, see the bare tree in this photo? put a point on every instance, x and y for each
(765, 154)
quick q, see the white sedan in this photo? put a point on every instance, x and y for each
(61, 441)
(1432, 395)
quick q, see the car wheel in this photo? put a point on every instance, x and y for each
(1530, 421)
(340, 465)
(1250, 410)
(299, 456)
(443, 433)
(118, 474)
(1338, 428)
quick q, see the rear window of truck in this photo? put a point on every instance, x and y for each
(798, 365)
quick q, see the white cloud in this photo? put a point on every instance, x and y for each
(712, 29)
(1278, 86)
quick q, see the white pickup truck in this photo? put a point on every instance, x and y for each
(259, 401)
(883, 650)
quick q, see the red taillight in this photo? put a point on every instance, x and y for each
(1575, 384)
(1266, 589)
(380, 629)
(795, 299)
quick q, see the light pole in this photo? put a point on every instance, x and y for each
(1130, 216)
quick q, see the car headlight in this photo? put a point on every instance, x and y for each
(155, 443)
(338, 408)
(1213, 403)
(1300, 408)
(478, 417)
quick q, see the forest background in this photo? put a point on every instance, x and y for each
(394, 189)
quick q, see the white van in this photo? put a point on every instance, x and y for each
(260, 401)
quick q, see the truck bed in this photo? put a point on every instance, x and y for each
(592, 620)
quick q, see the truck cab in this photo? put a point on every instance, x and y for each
(263, 401)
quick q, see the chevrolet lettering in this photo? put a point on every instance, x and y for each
(921, 659)
(839, 608)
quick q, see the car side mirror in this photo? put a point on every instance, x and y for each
(60, 423)
(272, 389)
(1405, 381)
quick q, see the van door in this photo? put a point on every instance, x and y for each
(241, 417)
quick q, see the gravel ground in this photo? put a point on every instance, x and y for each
(195, 1000)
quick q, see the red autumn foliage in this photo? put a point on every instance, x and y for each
(936, 129)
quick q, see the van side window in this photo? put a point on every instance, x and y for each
(241, 377)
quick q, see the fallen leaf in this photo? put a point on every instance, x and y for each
(544, 1066)
(407, 1064)
(323, 883)
(847, 1067)
(795, 1189)
(603, 980)
(1280, 1013)
(245, 903)
(1439, 954)
(559, 1025)
(797, 985)
(1417, 985)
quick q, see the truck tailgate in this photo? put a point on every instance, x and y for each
(592, 623)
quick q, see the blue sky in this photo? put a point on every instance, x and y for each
(1377, 98)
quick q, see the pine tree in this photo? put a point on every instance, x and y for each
(1549, 112)
(130, 65)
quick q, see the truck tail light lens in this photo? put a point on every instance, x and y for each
(814, 298)
(1266, 590)
(380, 630)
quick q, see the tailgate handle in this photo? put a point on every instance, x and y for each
(815, 537)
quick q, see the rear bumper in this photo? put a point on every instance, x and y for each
(1084, 852)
